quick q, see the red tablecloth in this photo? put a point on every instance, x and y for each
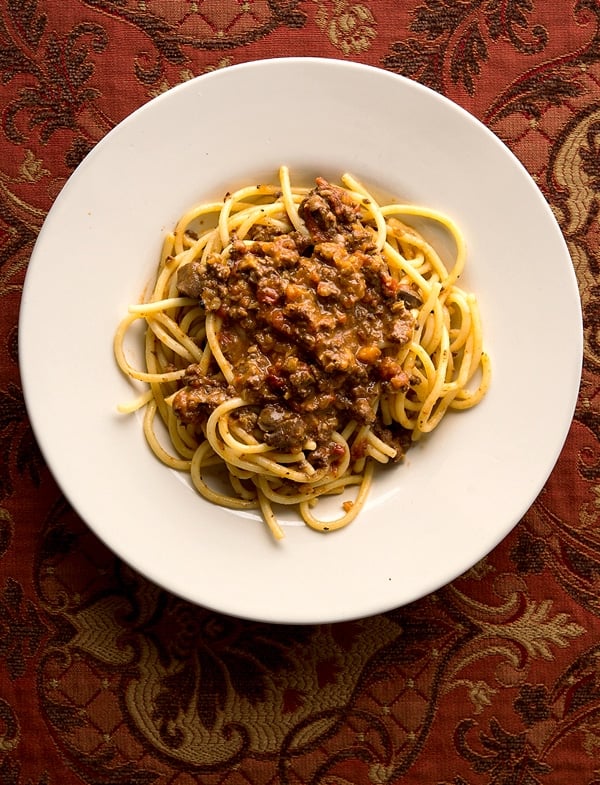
(105, 678)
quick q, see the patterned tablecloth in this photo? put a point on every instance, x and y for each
(105, 679)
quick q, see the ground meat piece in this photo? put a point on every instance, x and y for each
(200, 396)
(246, 418)
(283, 430)
(320, 426)
(399, 331)
(292, 379)
(363, 411)
(206, 281)
(335, 356)
(331, 215)
(325, 208)
(263, 232)
(190, 282)
(252, 372)
(410, 296)
(302, 382)
(393, 375)
(329, 453)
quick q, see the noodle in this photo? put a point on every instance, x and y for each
(425, 359)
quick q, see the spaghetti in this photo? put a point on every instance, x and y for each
(296, 337)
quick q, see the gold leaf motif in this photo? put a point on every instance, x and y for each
(591, 738)
(186, 74)
(10, 732)
(572, 178)
(589, 512)
(351, 27)
(321, 16)
(32, 169)
(380, 774)
(480, 694)
(479, 571)
(159, 88)
(223, 62)
(537, 631)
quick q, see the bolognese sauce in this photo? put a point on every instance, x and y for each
(312, 323)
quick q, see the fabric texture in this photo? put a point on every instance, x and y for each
(105, 679)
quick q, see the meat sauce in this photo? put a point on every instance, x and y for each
(311, 324)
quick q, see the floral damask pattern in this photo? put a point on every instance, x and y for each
(105, 678)
(454, 39)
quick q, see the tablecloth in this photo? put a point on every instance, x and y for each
(105, 678)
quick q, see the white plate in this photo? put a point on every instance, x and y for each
(458, 494)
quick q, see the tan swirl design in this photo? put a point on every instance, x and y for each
(575, 171)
